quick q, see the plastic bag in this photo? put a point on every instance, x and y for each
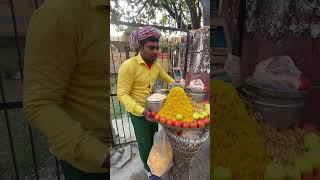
(279, 73)
(196, 85)
(160, 158)
(183, 83)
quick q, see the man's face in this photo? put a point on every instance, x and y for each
(150, 51)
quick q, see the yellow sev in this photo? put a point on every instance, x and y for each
(177, 102)
(235, 141)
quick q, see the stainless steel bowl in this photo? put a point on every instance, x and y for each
(197, 96)
(155, 106)
(280, 116)
(284, 112)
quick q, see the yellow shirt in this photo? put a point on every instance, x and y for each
(66, 77)
(135, 82)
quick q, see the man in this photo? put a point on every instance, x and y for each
(65, 84)
(136, 79)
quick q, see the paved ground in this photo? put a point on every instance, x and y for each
(133, 170)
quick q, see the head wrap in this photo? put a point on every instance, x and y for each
(144, 33)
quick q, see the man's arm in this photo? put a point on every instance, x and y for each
(125, 81)
(50, 60)
(165, 77)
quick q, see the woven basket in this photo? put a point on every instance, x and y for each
(183, 151)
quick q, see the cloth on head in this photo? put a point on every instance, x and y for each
(144, 33)
(148, 31)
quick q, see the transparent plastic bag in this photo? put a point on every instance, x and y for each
(196, 85)
(232, 67)
(279, 73)
(160, 158)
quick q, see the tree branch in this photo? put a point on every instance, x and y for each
(144, 5)
(200, 13)
(177, 10)
(167, 7)
(173, 13)
(174, 7)
(134, 2)
(170, 11)
(193, 12)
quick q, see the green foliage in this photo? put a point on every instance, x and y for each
(164, 47)
(180, 13)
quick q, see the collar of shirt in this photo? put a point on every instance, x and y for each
(96, 3)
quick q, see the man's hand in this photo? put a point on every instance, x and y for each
(146, 113)
(174, 84)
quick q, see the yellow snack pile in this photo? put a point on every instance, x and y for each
(235, 140)
(177, 102)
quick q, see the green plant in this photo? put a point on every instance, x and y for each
(164, 47)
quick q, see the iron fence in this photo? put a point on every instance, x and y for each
(20, 136)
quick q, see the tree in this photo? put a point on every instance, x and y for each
(179, 13)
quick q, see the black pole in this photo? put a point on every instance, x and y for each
(57, 168)
(6, 114)
(241, 25)
(186, 57)
(36, 2)
(17, 43)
